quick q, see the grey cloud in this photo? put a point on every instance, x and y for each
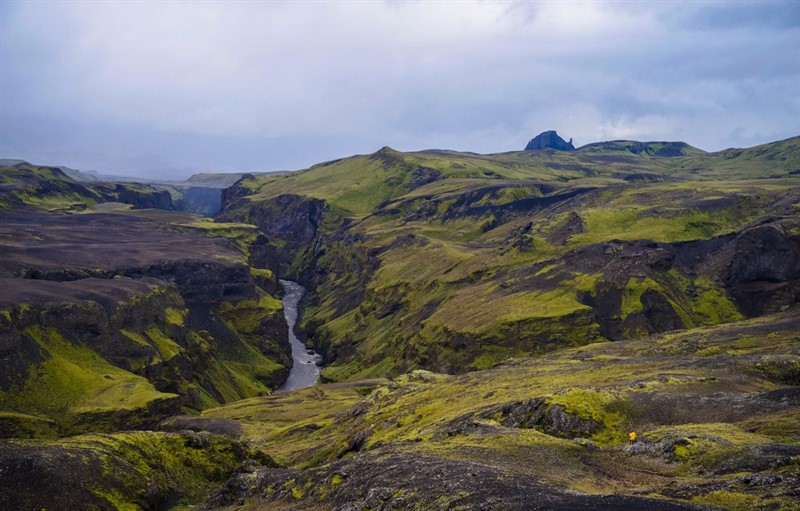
(259, 86)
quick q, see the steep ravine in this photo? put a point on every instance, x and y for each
(101, 333)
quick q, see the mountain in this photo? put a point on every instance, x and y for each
(549, 140)
(24, 186)
(493, 324)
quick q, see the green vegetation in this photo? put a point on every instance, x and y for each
(487, 287)
(521, 417)
(78, 388)
(518, 253)
(127, 471)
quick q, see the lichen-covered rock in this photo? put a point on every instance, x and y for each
(141, 470)
(397, 481)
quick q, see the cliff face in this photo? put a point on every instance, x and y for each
(111, 322)
(33, 187)
(291, 219)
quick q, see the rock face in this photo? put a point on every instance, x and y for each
(549, 140)
(290, 218)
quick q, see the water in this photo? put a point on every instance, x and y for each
(305, 371)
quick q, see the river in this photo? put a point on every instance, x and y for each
(305, 371)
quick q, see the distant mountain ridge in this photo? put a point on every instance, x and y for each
(662, 149)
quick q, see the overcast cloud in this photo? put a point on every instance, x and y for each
(172, 88)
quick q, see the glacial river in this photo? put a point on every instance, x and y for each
(305, 371)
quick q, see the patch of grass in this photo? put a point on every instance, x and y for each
(75, 382)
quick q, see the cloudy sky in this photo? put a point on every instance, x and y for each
(171, 88)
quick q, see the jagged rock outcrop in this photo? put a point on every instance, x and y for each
(764, 268)
(549, 140)
(288, 217)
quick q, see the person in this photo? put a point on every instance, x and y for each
(632, 437)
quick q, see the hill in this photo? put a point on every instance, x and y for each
(455, 261)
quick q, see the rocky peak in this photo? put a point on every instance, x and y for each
(549, 140)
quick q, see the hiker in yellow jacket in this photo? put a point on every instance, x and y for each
(632, 437)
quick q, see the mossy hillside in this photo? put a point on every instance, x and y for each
(767, 161)
(33, 187)
(360, 183)
(473, 416)
(282, 422)
(466, 236)
(482, 293)
(43, 188)
(260, 358)
(132, 471)
(20, 425)
(123, 363)
(76, 387)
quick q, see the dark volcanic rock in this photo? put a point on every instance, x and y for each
(289, 217)
(549, 140)
(422, 176)
(192, 423)
(141, 470)
(764, 269)
(398, 481)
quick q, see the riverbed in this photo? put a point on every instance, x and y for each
(305, 371)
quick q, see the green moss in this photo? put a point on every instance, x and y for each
(596, 406)
(176, 317)
(730, 500)
(262, 273)
(75, 382)
(165, 346)
(20, 425)
(632, 294)
(297, 492)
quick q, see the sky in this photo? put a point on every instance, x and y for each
(167, 89)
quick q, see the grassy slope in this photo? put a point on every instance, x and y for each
(681, 392)
(471, 268)
(74, 383)
(480, 285)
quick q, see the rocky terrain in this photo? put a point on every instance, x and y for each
(715, 408)
(493, 327)
(115, 319)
